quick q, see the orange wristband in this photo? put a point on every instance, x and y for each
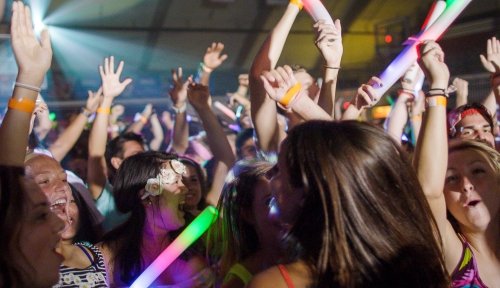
(24, 105)
(435, 101)
(297, 3)
(102, 110)
(290, 94)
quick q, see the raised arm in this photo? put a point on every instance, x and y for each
(212, 59)
(199, 98)
(264, 114)
(462, 92)
(111, 88)
(44, 123)
(364, 99)
(329, 43)
(431, 155)
(157, 131)
(138, 125)
(491, 63)
(33, 60)
(70, 135)
(178, 94)
(281, 86)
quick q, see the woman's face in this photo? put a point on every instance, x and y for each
(472, 190)
(267, 229)
(39, 236)
(286, 200)
(170, 203)
(51, 178)
(193, 185)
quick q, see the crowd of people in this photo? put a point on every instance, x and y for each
(308, 194)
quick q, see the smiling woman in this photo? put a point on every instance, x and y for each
(30, 233)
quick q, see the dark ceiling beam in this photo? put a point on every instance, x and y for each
(162, 7)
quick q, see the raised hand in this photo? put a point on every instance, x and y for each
(116, 111)
(491, 62)
(178, 93)
(213, 58)
(33, 57)
(111, 85)
(199, 96)
(366, 96)
(431, 60)
(278, 82)
(329, 41)
(93, 100)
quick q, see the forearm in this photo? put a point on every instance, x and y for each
(180, 133)
(99, 134)
(431, 155)
(216, 138)
(352, 113)
(44, 125)
(158, 135)
(16, 124)
(68, 137)
(397, 119)
(327, 95)
(490, 102)
(308, 110)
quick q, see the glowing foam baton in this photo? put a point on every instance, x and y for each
(192, 232)
(436, 10)
(409, 55)
(317, 11)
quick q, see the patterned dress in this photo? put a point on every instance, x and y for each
(91, 276)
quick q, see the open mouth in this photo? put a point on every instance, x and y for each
(473, 203)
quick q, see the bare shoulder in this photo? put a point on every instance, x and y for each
(268, 278)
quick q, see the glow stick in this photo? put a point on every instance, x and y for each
(317, 11)
(436, 10)
(192, 232)
(409, 55)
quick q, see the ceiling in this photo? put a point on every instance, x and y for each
(153, 36)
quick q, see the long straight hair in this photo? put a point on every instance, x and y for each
(364, 221)
(125, 241)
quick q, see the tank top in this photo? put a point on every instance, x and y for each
(91, 276)
(466, 274)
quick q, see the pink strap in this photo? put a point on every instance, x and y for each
(286, 276)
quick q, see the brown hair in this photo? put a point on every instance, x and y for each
(365, 221)
(13, 207)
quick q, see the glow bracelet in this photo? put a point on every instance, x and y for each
(409, 55)
(317, 11)
(192, 232)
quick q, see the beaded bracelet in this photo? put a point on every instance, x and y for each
(22, 104)
(331, 67)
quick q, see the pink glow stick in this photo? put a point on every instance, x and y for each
(409, 55)
(317, 11)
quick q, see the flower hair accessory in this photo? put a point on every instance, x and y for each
(166, 177)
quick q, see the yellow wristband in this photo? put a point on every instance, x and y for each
(297, 3)
(24, 105)
(435, 101)
(290, 94)
(102, 110)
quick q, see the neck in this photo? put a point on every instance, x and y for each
(152, 234)
(485, 241)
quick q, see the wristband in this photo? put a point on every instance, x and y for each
(181, 109)
(436, 101)
(290, 95)
(205, 68)
(297, 3)
(23, 104)
(102, 110)
(27, 86)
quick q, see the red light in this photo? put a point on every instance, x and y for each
(388, 39)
